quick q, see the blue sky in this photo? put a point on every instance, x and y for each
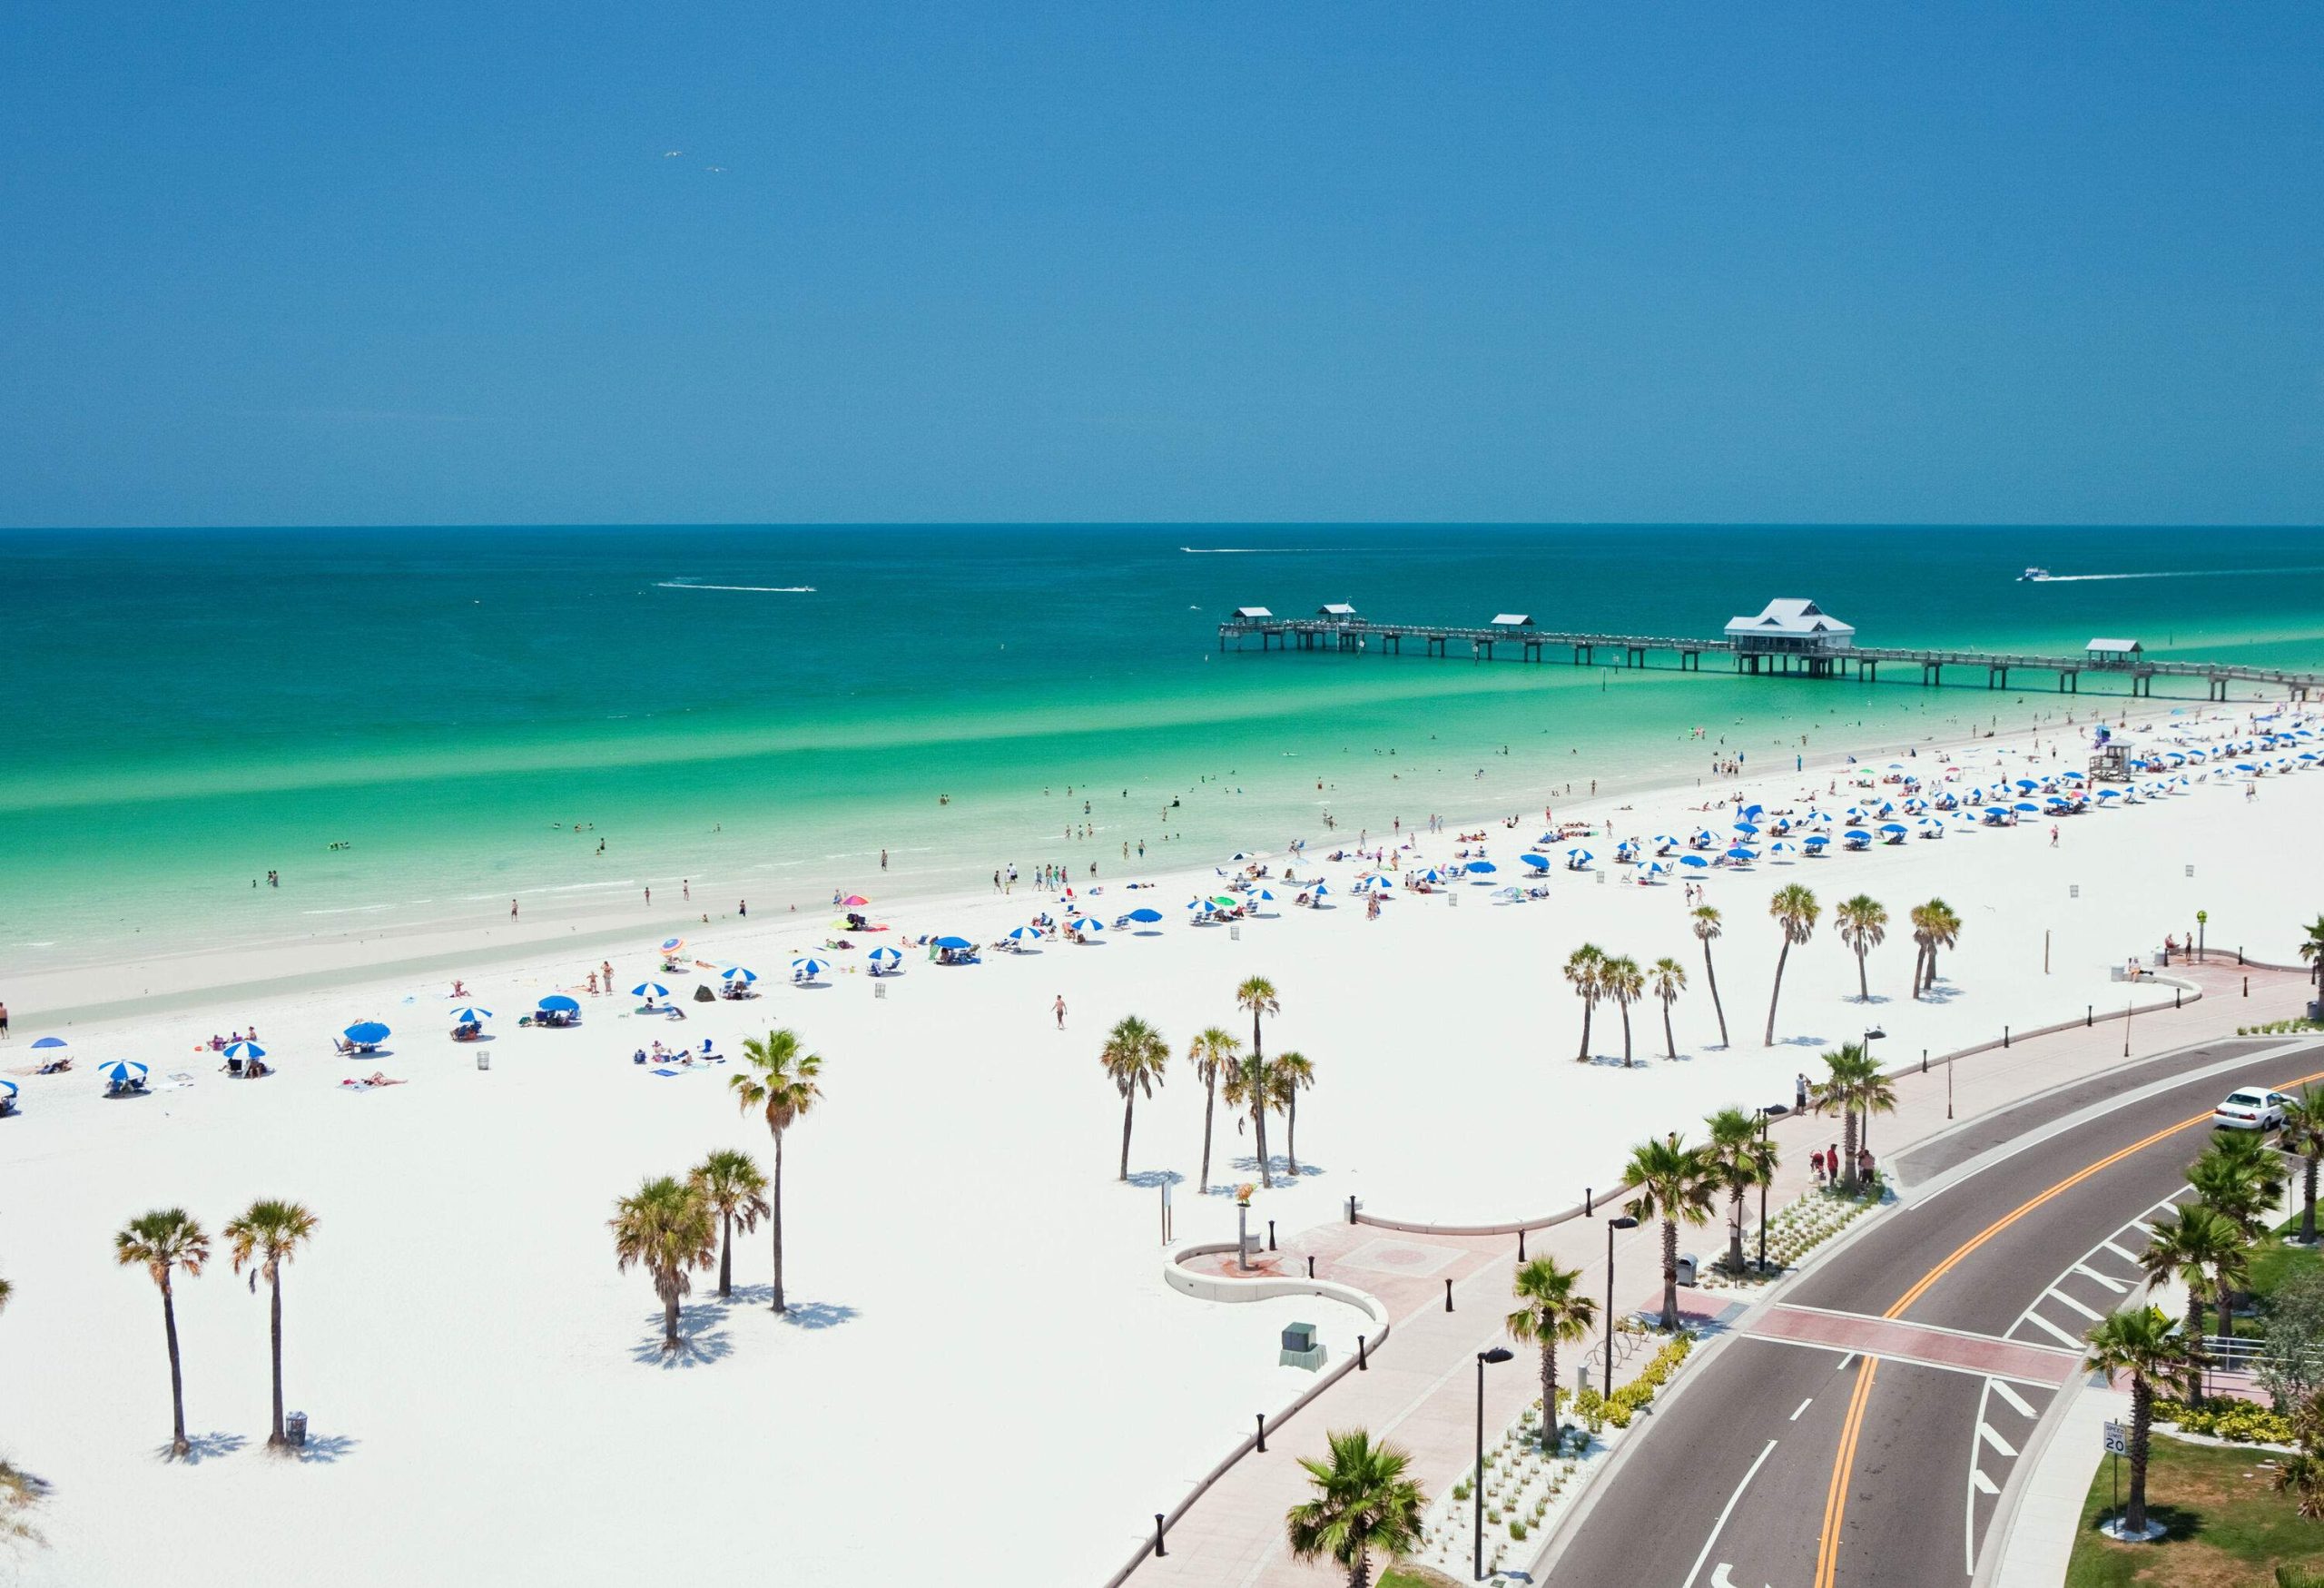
(429, 262)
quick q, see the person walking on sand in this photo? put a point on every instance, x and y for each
(883, 860)
(4, 1022)
(512, 908)
(649, 898)
(744, 908)
(1059, 1008)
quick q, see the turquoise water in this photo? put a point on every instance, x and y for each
(189, 710)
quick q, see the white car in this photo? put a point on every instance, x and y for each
(2249, 1109)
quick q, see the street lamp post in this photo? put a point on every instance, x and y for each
(1623, 1221)
(1864, 1133)
(1497, 1355)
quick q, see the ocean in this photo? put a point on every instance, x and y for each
(420, 724)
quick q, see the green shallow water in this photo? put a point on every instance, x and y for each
(188, 710)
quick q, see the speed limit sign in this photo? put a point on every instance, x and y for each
(2118, 1440)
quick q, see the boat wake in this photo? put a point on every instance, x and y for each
(763, 589)
(2171, 573)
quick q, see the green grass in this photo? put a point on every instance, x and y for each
(1413, 1577)
(2228, 1526)
(2273, 1261)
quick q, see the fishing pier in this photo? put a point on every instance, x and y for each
(1789, 636)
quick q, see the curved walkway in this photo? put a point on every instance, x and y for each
(1420, 1389)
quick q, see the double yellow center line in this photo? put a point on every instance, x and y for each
(1836, 1498)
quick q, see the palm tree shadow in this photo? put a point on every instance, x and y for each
(1150, 1178)
(1943, 993)
(699, 1344)
(326, 1449)
(818, 1314)
(1801, 1041)
(200, 1446)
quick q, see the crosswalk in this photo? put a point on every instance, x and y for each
(2061, 1315)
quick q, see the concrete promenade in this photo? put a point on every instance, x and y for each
(1419, 1392)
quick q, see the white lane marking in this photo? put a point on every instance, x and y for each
(1984, 1486)
(2129, 1257)
(2143, 1226)
(1969, 1498)
(1985, 1432)
(1843, 1367)
(2116, 1286)
(2016, 1401)
(2035, 1318)
(1718, 1578)
(2091, 1313)
(1730, 1510)
(1803, 1406)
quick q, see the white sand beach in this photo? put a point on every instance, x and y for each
(488, 1396)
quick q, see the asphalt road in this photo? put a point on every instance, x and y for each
(1784, 1464)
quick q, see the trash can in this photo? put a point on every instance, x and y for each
(483, 1060)
(1686, 1264)
(294, 1427)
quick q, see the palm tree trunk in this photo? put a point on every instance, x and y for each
(2194, 1391)
(1931, 982)
(275, 1288)
(669, 1287)
(774, 1220)
(726, 1260)
(1848, 1146)
(1863, 987)
(1777, 992)
(2308, 1201)
(1259, 1137)
(178, 1446)
(1549, 1392)
(1626, 1036)
(1668, 1041)
(1209, 1102)
(1589, 1005)
(1360, 1575)
(1669, 1275)
(1920, 957)
(2142, 1420)
(1711, 976)
(1130, 1101)
(1291, 1131)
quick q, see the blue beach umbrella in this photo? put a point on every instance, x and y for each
(366, 1034)
(1539, 863)
(649, 989)
(244, 1050)
(1320, 891)
(1859, 839)
(470, 1017)
(1150, 916)
(10, 1086)
(1813, 841)
(1083, 923)
(1751, 812)
(807, 969)
(1693, 859)
(122, 1070)
(2022, 806)
(888, 956)
(1019, 934)
(1740, 853)
(559, 1003)
(742, 973)
(1263, 895)
(1892, 826)
(953, 943)
(1747, 830)
(1483, 867)
(50, 1045)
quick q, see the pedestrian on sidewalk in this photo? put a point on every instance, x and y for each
(1863, 1163)
(1816, 1162)
(1799, 1093)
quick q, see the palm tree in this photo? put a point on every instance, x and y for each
(665, 1227)
(2303, 1133)
(2311, 949)
(1363, 1502)
(2303, 1474)
(1625, 984)
(1795, 910)
(1854, 1089)
(159, 1241)
(1673, 1184)
(1250, 1084)
(1135, 1056)
(1585, 969)
(729, 1180)
(2205, 1251)
(1920, 916)
(779, 1080)
(1293, 1073)
(1669, 979)
(2143, 1346)
(2240, 1177)
(1944, 929)
(1862, 922)
(271, 1234)
(1257, 995)
(1738, 1160)
(1212, 1050)
(1706, 930)
(1551, 1309)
